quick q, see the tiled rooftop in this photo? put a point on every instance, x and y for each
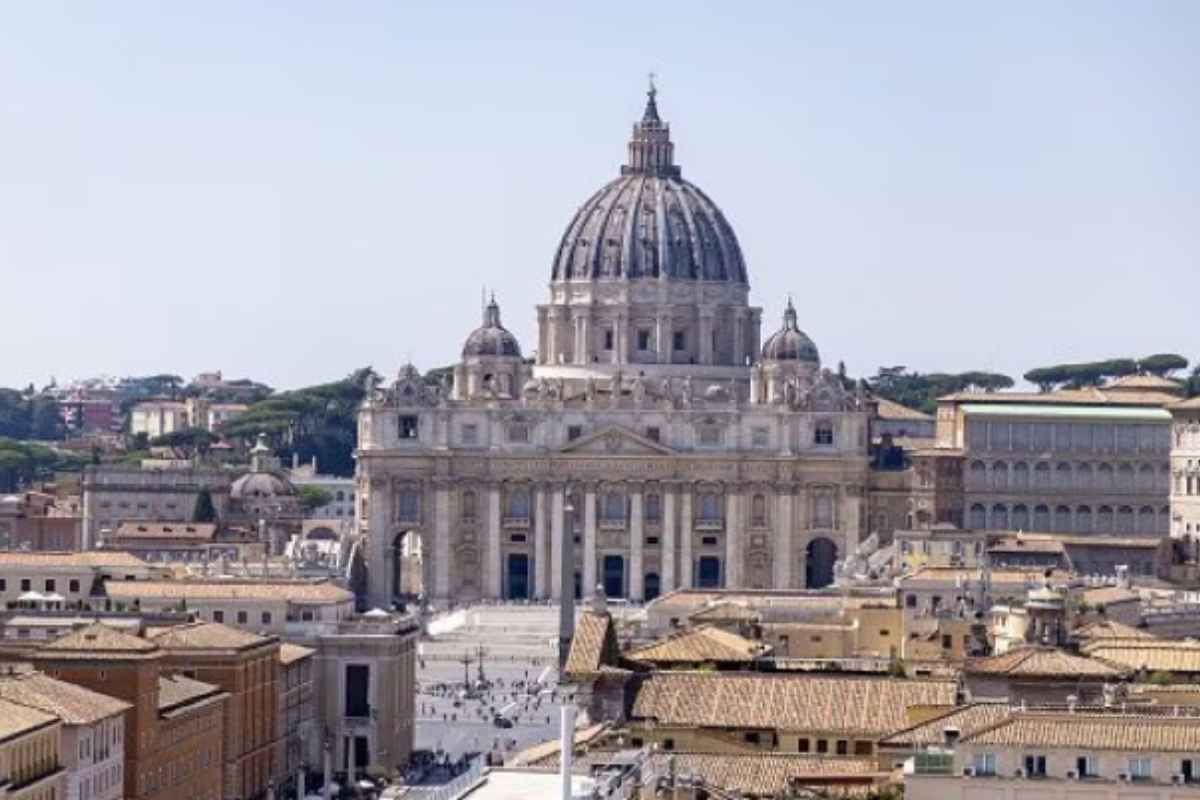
(99, 641)
(592, 631)
(207, 636)
(869, 706)
(1158, 655)
(292, 591)
(703, 644)
(90, 558)
(1041, 662)
(179, 690)
(1081, 730)
(199, 531)
(16, 719)
(967, 719)
(74, 705)
(290, 653)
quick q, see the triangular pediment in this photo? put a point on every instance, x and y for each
(616, 441)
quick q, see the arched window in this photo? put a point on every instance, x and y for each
(758, 511)
(1000, 476)
(823, 433)
(1104, 519)
(1062, 519)
(1124, 519)
(1146, 522)
(1020, 475)
(1041, 519)
(1083, 519)
(1000, 517)
(1062, 476)
(881, 522)
(1146, 478)
(653, 507)
(1041, 475)
(1105, 478)
(1020, 518)
(341, 496)
(977, 476)
(469, 505)
(1125, 478)
(978, 518)
(1083, 476)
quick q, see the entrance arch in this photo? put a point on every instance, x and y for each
(820, 554)
(408, 566)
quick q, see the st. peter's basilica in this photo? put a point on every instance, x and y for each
(649, 423)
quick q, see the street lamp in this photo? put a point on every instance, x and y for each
(566, 592)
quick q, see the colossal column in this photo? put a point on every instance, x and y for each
(492, 569)
(380, 579)
(636, 539)
(589, 541)
(733, 538)
(685, 537)
(441, 541)
(557, 493)
(540, 555)
(667, 543)
(782, 562)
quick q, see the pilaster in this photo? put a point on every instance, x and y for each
(492, 568)
(540, 555)
(589, 541)
(733, 537)
(667, 540)
(685, 536)
(636, 540)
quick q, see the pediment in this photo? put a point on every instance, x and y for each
(616, 441)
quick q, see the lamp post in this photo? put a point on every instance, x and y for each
(566, 609)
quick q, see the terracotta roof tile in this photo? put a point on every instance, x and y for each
(73, 704)
(1081, 730)
(180, 690)
(1109, 629)
(968, 719)
(207, 636)
(593, 633)
(90, 558)
(890, 409)
(703, 644)
(292, 591)
(16, 719)
(290, 653)
(773, 774)
(1157, 655)
(199, 531)
(872, 706)
(1041, 663)
(98, 641)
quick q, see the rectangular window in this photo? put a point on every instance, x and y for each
(679, 340)
(408, 426)
(242, 617)
(72, 586)
(653, 434)
(823, 434)
(218, 616)
(574, 432)
(1085, 767)
(469, 434)
(25, 584)
(266, 618)
(843, 747)
(709, 435)
(643, 340)
(1035, 766)
(668, 744)
(760, 438)
(608, 340)
(50, 584)
(518, 432)
(1139, 769)
(803, 746)
(653, 508)
(822, 746)
(985, 763)
(751, 738)
(862, 748)
(357, 691)
(409, 506)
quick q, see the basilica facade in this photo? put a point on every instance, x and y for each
(650, 423)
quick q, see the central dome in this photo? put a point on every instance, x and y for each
(650, 222)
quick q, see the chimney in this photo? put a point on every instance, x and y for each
(567, 749)
(950, 735)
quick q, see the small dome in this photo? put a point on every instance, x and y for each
(790, 343)
(491, 338)
(261, 484)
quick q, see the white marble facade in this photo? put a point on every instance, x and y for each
(650, 422)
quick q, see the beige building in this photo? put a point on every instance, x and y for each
(30, 754)
(113, 494)
(1077, 461)
(297, 708)
(1185, 468)
(652, 425)
(65, 579)
(93, 731)
(1086, 754)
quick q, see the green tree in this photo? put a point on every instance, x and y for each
(313, 497)
(196, 441)
(45, 419)
(1162, 364)
(205, 511)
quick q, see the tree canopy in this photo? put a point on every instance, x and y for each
(316, 421)
(26, 415)
(313, 497)
(196, 441)
(921, 391)
(24, 462)
(1096, 373)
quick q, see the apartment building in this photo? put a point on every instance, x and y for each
(30, 758)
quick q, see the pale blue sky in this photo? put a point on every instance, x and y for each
(287, 191)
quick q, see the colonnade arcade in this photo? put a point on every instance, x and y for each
(637, 539)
